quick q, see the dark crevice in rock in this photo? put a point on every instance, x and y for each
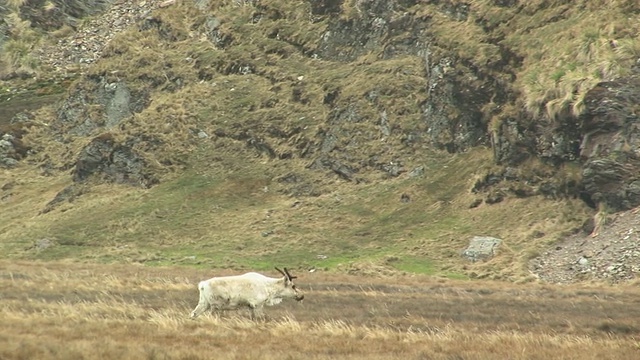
(110, 160)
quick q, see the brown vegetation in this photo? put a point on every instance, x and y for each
(61, 310)
(232, 215)
(230, 205)
(17, 52)
(261, 98)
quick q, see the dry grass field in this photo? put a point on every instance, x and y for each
(56, 310)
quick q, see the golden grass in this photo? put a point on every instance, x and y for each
(15, 3)
(64, 310)
(17, 50)
(566, 47)
(50, 6)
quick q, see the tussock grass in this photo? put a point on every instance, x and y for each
(15, 3)
(59, 310)
(17, 51)
(565, 48)
(567, 51)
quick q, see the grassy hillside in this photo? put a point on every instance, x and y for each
(251, 194)
(233, 216)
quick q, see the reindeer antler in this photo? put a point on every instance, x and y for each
(282, 272)
(289, 275)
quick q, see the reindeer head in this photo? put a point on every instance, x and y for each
(290, 287)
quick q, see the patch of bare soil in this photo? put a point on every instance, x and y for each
(612, 255)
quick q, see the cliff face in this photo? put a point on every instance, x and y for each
(477, 97)
(609, 148)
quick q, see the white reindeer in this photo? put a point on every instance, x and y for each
(251, 290)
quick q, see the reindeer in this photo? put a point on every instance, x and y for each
(251, 290)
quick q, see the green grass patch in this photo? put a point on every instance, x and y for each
(412, 264)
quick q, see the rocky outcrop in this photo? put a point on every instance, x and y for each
(97, 104)
(105, 159)
(110, 160)
(68, 194)
(461, 104)
(452, 92)
(12, 148)
(453, 112)
(610, 147)
(455, 91)
(609, 155)
(604, 141)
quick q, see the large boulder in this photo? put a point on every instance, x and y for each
(481, 248)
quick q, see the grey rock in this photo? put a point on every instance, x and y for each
(118, 105)
(416, 172)
(202, 4)
(114, 101)
(8, 155)
(43, 244)
(328, 143)
(68, 194)
(8, 162)
(384, 124)
(113, 161)
(481, 248)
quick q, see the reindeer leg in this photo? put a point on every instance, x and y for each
(220, 313)
(257, 313)
(202, 307)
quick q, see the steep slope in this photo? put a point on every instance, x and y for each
(239, 133)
